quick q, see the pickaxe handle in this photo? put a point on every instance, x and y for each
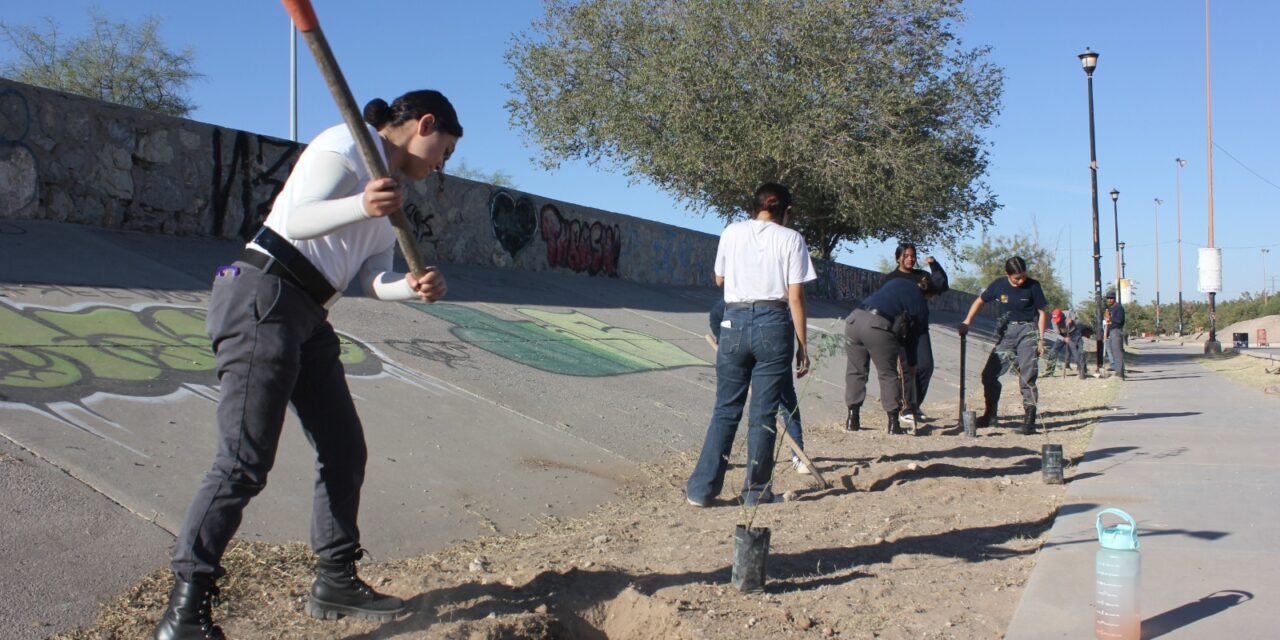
(963, 341)
(304, 18)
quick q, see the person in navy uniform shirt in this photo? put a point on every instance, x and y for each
(888, 322)
(1020, 329)
(915, 380)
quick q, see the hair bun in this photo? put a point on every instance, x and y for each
(377, 112)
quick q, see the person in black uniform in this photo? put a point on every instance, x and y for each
(1115, 334)
(913, 399)
(889, 321)
(1020, 331)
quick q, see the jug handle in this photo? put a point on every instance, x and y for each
(1116, 512)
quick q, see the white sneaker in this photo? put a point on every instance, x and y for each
(907, 417)
(799, 466)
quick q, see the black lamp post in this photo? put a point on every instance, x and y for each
(1123, 264)
(1115, 220)
(1089, 60)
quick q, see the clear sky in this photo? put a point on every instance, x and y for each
(1149, 98)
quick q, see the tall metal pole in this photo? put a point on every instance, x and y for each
(1158, 203)
(1090, 60)
(1115, 220)
(293, 82)
(1264, 276)
(1212, 345)
(1181, 163)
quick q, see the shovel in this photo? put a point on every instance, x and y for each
(968, 419)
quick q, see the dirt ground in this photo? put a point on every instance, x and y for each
(931, 536)
(1257, 373)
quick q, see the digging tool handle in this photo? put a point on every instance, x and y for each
(304, 18)
(963, 340)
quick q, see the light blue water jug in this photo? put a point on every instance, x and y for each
(1118, 572)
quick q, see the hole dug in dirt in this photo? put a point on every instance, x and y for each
(578, 614)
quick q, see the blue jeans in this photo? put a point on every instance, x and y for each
(754, 352)
(790, 406)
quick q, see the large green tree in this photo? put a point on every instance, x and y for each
(872, 111)
(983, 262)
(115, 61)
(498, 177)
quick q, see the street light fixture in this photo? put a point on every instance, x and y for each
(1181, 163)
(1089, 60)
(1123, 264)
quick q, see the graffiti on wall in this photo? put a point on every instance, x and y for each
(18, 173)
(569, 343)
(51, 354)
(256, 162)
(515, 220)
(592, 248)
(55, 361)
(683, 258)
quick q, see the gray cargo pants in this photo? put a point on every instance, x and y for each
(1016, 346)
(871, 341)
(274, 347)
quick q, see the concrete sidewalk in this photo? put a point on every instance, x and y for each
(1192, 457)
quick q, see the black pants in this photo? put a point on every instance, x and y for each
(924, 372)
(274, 347)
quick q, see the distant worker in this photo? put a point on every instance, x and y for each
(268, 319)
(763, 267)
(1115, 334)
(1020, 328)
(1072, 338)
(888, 322)
(914, 388)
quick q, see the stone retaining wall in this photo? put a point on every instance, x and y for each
(72, 159)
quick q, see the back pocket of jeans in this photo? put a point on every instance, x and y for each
(730, 340)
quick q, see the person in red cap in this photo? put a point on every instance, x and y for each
(1064, 322)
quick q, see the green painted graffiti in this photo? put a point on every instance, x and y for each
(569, 343)
(46, 353)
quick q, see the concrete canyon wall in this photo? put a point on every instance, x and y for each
(72, 159)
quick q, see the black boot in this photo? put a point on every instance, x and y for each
(894, 428)
(338, 591)
(854, 421)
(987, 419)
(188, 615)
(1028, 422)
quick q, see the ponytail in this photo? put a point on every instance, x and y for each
(412, 106)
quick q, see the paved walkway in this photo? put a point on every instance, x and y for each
(1195, 458)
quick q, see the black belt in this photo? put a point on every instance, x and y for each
(1022, 322)
(284, 261)
(873, 311)
(757, 304)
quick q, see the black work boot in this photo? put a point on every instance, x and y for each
(338, 591)
(1029, 421)
(987, 419)
(894, 428)
(854, 421)
(188, 615)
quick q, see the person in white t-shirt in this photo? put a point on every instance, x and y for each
(268, 319)
(763, 267)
